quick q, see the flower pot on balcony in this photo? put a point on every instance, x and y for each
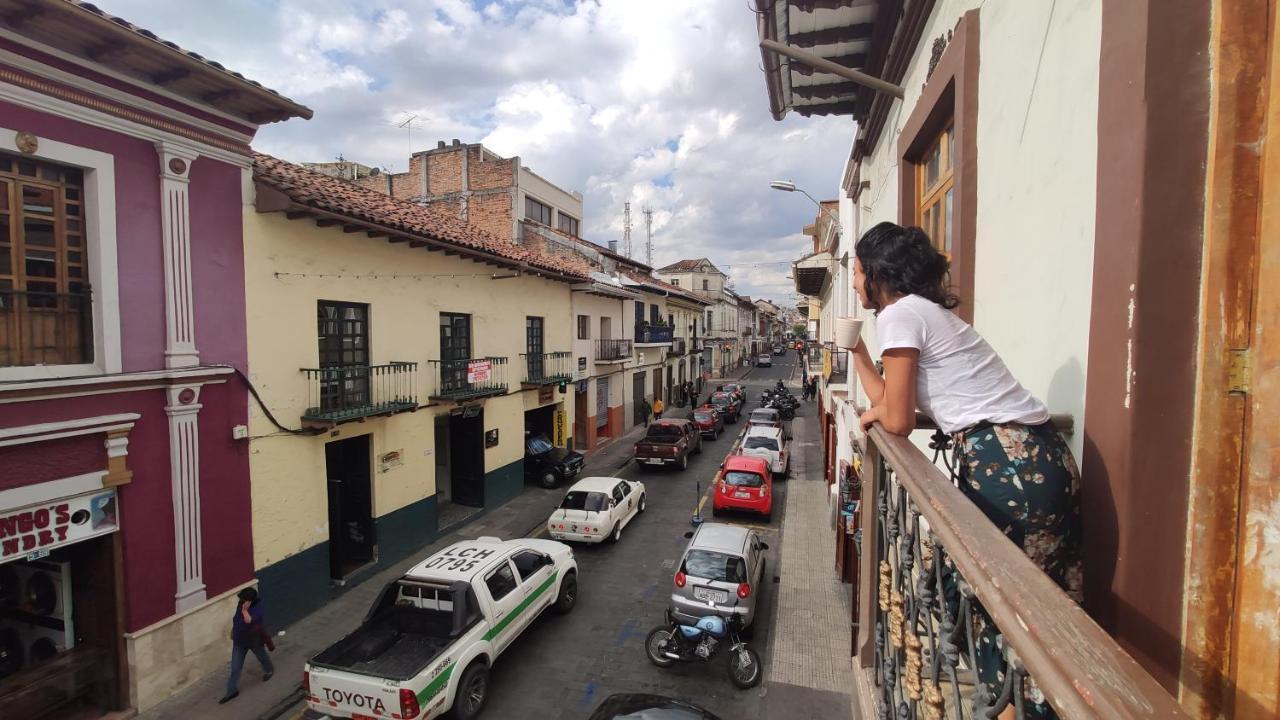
(847, 331)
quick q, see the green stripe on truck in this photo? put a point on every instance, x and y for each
(524, 605)
(435, 686)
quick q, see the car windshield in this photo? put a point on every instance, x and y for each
(580, 500)
(760, 441)
(702, 417)
(715, 566)
(539, 444)
(721, 400)
(759, 417)
(738, 478)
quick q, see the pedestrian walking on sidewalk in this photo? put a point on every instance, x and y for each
(1010, 460)
(248, 635)
(658, 407)
(645, 409)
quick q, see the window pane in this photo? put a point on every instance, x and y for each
(39, 232)
(73, 210)
(951, 139)
(41, 263)
(4, 195)
(931, 167)
(38, 199)
(948, 202)
(72, 193)
(26, 167)
(6, 260)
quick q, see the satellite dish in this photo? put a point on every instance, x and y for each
(374, 171)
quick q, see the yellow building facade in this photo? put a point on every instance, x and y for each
(406, 379)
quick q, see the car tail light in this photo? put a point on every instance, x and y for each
(409, 702)
(762, 492)
(680, 579)
(306, 683)
(744, 590)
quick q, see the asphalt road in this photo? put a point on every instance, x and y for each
(563, 667)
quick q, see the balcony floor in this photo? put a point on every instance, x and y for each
(349, 414)
(469, 393)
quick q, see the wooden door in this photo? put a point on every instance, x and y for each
(1231, 633)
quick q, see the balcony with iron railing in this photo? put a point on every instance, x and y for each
(350, 392)
(469, 378)
(613, 351)
(45, 328)
(652, 334)
(546, 368)
(933, 569)
(679, 346)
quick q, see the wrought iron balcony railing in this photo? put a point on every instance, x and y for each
(652, 334)
(933, 569)
(613, 350)
(45, 328)
(468, 378)
(546, 368)
(678, 346)
(695, 345)
(349, 392)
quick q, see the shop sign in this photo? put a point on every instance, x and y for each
(389, 460)
(47, 526)
(491, 438)
(545, 394)
(561, 428)
(478, 371)
(582, 364)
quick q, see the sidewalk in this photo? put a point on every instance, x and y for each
(517, 518)
(811, 636)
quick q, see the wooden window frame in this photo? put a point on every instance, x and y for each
(949, 99)
(584, 327)
(99, 216)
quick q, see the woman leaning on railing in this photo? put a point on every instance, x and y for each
(1010, 459)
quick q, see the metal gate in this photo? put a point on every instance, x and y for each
(602, 402)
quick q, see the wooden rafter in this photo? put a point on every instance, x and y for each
(855, 61)
(831, 36)
(826, 91)
(844, 107)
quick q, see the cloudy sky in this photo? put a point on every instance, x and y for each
(660, 102)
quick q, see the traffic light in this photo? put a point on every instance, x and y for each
(563, 386)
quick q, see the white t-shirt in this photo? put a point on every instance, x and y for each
(961, 380)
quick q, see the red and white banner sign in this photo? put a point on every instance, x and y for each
(478, 371)
(37, 529)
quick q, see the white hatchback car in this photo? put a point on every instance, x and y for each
(596, 509)
(770, 443)
(764, 361)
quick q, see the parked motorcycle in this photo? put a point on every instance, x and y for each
(676, 642)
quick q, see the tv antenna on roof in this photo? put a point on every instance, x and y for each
(408, 125)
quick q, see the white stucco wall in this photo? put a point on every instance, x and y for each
(1037, 163)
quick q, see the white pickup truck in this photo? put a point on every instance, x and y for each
(428, 641)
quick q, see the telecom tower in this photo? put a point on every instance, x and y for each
(648, 231)
(626, 229)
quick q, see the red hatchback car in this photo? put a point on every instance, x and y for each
(745, 484)
(709, 421)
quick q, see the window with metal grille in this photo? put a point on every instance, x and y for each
(45, 299)
(533, 345)
(455, 350)
(537, 211)
(343, 330)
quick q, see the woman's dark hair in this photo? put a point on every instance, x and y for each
(901, 261)
(248, 594)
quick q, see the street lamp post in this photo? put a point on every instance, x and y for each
(788, 186)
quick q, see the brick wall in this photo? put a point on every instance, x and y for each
(444, 171)
(489, 174)
(377, 183)
(491, 212)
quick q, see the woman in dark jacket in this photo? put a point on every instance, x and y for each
(248, 634)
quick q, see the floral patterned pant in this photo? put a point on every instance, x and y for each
(1026, 482)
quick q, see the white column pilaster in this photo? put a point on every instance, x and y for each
(184, 471)
(180, 334)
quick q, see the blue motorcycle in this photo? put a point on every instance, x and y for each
(676, 642)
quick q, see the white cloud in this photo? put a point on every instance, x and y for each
(589, 94)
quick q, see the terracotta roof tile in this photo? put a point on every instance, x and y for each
(297, 110)
(685, 265)
(661, 285)
(323, 192)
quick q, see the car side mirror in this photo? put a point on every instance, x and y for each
(764, 546)
(548, 560)
(688, 534)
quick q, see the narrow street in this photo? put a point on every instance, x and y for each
(563, 667)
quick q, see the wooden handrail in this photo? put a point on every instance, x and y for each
(1080, 668)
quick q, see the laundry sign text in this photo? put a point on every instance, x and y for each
(50, 525)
